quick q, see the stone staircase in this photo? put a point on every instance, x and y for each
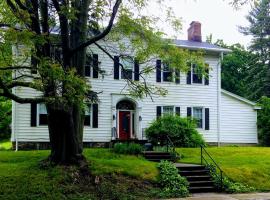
(156, 156)
(198, 176)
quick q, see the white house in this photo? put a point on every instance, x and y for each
(223, 117)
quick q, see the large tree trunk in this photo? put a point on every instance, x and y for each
(65, 135)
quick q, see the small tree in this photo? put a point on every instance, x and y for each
(264, 121)
(181, 131)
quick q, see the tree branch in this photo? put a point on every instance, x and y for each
(102, 34)
(7, 93)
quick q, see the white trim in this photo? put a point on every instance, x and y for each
(219, 98)
(203, 116)
(241, 99)
(204, 48)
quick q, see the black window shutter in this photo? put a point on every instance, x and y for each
(95, 116)
(158, 71)
(33, 114)
(87, 68)
(207, 126)
(177, 76)
(189, 77)
(158, 111)
(177, 111)
(189, 112)
(136, 70)
(95, 65)
(116, 67)
(206, 79)
(33, 65)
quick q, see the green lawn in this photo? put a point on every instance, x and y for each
(22, 178)
(250, 165)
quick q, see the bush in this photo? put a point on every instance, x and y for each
(264, 121)
(181, 131)
(229, 186)
(5, 118)
(172, 184)
(127, 148)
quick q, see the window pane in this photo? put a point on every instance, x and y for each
(198, 116)
(43, 120)
(167, 73)
(87, 119)
(168, 110)
(42, 109)
(128, 63)
(126, 74)
(197, 76)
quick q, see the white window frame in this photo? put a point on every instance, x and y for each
(90, 114)
(38, 113)
(170, 70)
(203, 78)
(120, 67)
(162, 109)
(91, 67)
(203, 115)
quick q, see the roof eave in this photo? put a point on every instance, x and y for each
(204, 48)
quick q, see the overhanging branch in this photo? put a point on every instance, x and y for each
(103, 33)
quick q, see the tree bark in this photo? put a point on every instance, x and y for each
(65, 136)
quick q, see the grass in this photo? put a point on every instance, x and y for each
(248, 165)
(5, 145)
(125, 177)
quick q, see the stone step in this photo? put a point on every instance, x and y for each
(199, 178)
(202, 189)
(201, 183)
(189, 172)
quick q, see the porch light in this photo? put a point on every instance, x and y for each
(140, 118)
(113, 117)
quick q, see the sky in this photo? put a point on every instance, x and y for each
(217, 17)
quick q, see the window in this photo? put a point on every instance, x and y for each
(168, 110)
(127, 69)
(42, 114)
(167, 73)
(198, 116)
(87, 119)
(197, 76)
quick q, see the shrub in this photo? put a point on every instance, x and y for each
(264, 121)
(229, 185)
(172, 184)
(182, 131)
(5, 118)
(127, 148)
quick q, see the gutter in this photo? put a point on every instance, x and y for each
(219, 98)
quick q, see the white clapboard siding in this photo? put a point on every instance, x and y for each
(182, 95)
(238, 120)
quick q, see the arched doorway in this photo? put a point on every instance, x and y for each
(126, 119)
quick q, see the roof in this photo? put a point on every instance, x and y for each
(200, 46)
(235, 96)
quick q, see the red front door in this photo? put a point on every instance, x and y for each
(124, 125)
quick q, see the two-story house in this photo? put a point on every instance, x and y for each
(222, 117)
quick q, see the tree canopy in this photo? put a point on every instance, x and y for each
(51, 41)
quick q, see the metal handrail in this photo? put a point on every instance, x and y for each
(216, 165)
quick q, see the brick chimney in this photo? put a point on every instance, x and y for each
(194, 32)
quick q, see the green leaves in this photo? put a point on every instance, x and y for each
(181, 131)
(172, 184)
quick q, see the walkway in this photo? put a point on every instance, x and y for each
(216, 196)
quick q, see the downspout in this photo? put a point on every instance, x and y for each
(219, 96)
